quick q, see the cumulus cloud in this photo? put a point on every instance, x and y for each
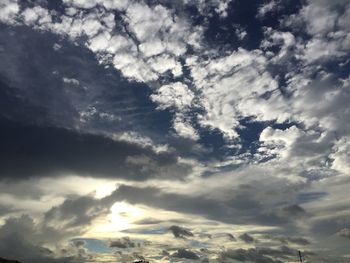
(213, 6)
(9, 10)
(220, 83)
(176, 95)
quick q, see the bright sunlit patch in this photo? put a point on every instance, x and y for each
(121, 217)
(105, 190)
(124, 213)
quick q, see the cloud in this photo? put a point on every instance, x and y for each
(216, 79)
(75, 214)
(246, 238)
(176, 95)
(298, 241)
(266, 8)
(180, 232)
(293, 240)
(262, 254)
(9, 10)
(9, 260)
(209, 7)
(36, 15)
(219, 82)
(66, 151)
(22, 238)
(253, 133)
(242, 207)
(183, 253)
(184, 128)
(124, 242)
(132, 51)
(285, 41)
(143, 141)
(294, 210)
(345, 232)
(72, 81)
(341, 156)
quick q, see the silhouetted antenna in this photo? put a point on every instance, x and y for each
(301, 259)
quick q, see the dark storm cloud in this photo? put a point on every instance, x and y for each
(298, 240)
(291, 212)
(180, 232)
(123, 242)
(3, 260)
(285, 240)
(184, 253)
(246, 238)
(79, 243)
(231, 237)
(252, 254)
(28, 150)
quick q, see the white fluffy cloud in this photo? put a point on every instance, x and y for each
(341, 156)
(218, 6)
(109, 4)
(152, 43)
(329, 30)
(184, 128)
(266, 8)
(35, 15)
(8, 11)
(230, 88)
(176, 95)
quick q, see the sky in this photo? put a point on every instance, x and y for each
(210, 131)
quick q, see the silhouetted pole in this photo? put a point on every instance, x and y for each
(301, 259)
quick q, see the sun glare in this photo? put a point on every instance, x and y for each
(120, 218)
(105, 190)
